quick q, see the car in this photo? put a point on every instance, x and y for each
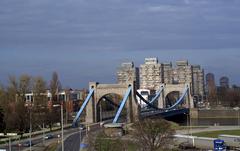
(82, 127)
(48, 136)
(19, 144)
(27, 144)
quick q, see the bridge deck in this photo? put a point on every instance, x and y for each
(164, 114)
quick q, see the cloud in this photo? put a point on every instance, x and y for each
(81, 29)
(187, 2)
(163, 8)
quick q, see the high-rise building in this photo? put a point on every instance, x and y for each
(167, 73)
(182, 73)
(198, 80)
(127, 72)
(210, 84)
(151, 75)
(224, 82)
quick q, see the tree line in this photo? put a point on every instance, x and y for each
(16, 114)
(228, 97)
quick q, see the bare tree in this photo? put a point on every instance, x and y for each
(153, 135)
(55, 87)
(98, 141)
(23, 88)
(15, 110)
(2, 100)
(40, 101)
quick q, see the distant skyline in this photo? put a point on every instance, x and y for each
(86, 40)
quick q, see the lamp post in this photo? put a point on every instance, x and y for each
(62, 125)
(61, 106)
(187, 123)
(43, 134)
(189, 127)
(10, 146)
(80, 137)
(237, 113)
(30, 122)
(190, 123)
(100, 112)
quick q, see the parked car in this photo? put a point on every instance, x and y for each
(48, 136)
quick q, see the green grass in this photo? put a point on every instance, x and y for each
(214, 134)
(104, 143)
(129, 145)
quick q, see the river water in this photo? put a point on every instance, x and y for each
(184, 121)
(215, 122)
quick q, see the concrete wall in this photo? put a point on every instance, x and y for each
(194, 113)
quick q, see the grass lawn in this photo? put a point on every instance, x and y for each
(111, 144)
(214, 134)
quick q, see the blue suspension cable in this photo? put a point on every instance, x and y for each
(76, 119)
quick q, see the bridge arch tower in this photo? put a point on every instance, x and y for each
(100, 90)
(168, 88)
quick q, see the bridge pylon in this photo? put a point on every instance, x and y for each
(168, 88)
(100, 90)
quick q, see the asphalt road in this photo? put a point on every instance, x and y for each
(72, 142)
(37, 141)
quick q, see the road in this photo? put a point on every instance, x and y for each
(72, 141)
(200, 142)
(38, 142)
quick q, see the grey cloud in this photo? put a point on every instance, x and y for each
(81, 29)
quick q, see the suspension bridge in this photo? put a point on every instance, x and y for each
(124, 103)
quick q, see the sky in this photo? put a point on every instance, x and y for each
(86, 40)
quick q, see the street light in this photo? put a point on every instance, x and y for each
(62, 125)
(237, 111)
(100, 112)
(9, 135)
(80, 138)
(61, 105)
(190, 123)
(10, 146)
(30, 131)
(189, 127)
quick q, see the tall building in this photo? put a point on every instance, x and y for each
(151, 75)
(167, 73)
(224, 82)
(127, 72)
(210, 84)
(198, 80)
(182, 73)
